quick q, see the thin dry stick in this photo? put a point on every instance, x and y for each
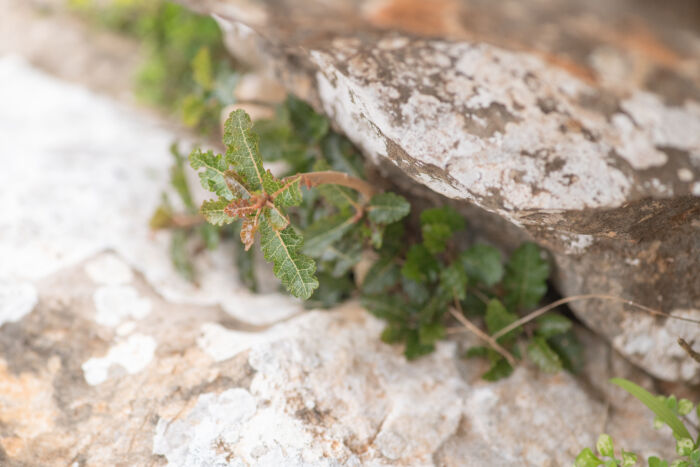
(545, 309)
(459, 316)
(689, 350)
(336, 178)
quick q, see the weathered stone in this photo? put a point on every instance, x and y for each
(103, 363)
(578, 123)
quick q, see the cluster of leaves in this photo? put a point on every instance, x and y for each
(186, 69)
(412, 287)
(668, 411)
(315, 237)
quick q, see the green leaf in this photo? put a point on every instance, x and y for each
(483, 264)
(525, 280)
(214, 212)
(680, 463)
(628, 458)
(453, 281)
(659, 408)
(416, 292)
(684, 407)
(343, 256)
(242, 150)
(341, 155)
(552, 324)
(656, 462)
(382, 275)
(180, 256)
(435, 237)
(684, 446)
(438, 225)
(497, 318)
(499, 369)
(414, 347)
(295, 270)
(569, 349)
(178, 180)
(331, 291)
(430, 333)
(393, 333)
(544, 357)
(309, 125)
(478, 351)
(210, 235)
(214, 176)
(604, 445)
(695, 457)
(443, 215)
(202, 69)
(387, 307)
(420, 265)
(386, 208)
(326, 231)
(290, 194)
(393, 239)
(586, 458)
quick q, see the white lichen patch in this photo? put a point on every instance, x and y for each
(115, 303)
(17, 299)
(132, 355)
(221, 343)
(109, 269)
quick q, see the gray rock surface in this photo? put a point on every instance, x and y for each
(107, 358)
(576, 122)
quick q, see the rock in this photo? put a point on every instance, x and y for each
(106, 358)
(577, 123)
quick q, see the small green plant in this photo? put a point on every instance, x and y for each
(316, 221)
(668, 411)
(186, 70)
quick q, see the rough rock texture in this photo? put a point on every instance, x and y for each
(577, 122)
(106, 358)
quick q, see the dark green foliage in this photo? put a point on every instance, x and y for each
(185, 70)
(525, 280)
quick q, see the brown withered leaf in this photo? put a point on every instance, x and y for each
(248, 229)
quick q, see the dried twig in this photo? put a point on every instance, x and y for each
(539, 312)
(471, 327)
(689, 350)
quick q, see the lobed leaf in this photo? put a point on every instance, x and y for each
(290, 194)
(525, 280)
(215, 212)
(545, 358)
(499, 369)
(498, 317)
(281, 247)
(586, 458)
(438, 225)
(242, 150)
(420, 265)
(382, 275)
(483, 264)
(552, 324)
(387, 208)
(214, 176)
(326, 231)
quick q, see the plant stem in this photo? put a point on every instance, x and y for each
(459, 316)
(331, 177)
(545, 309)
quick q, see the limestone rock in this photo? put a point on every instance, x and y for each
(576, 122)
